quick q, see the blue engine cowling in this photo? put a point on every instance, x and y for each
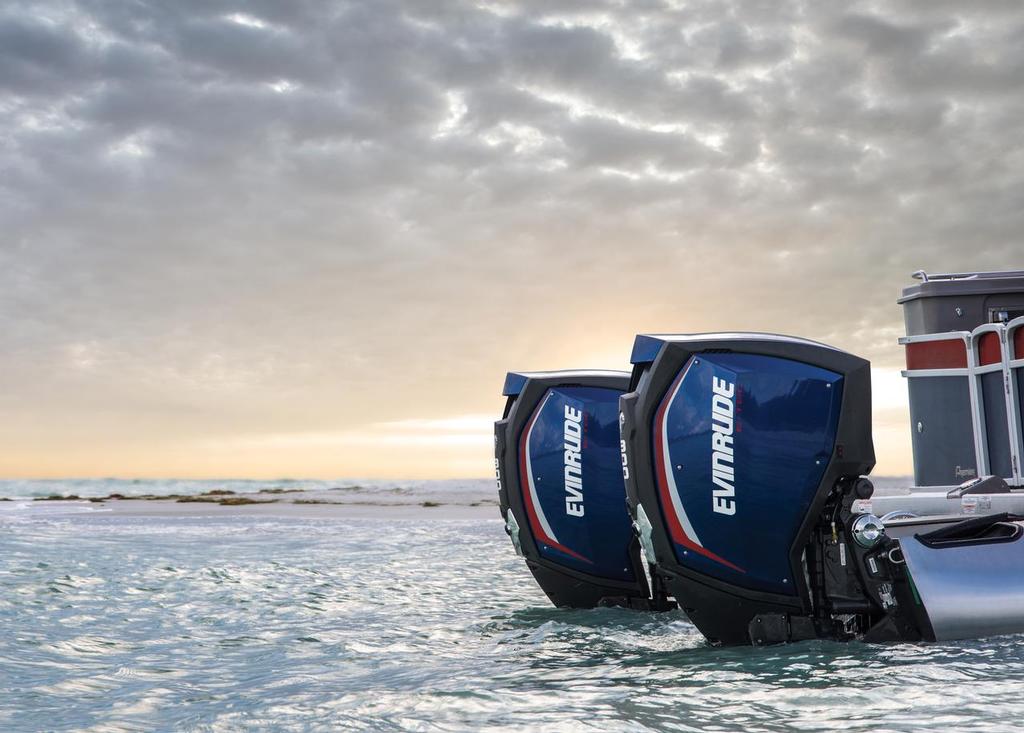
(731, 446)
(561, 490)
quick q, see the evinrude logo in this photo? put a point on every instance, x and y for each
(722, 466)
(573, 435)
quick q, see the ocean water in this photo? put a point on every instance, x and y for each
(233, 622)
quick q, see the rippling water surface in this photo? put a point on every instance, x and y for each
(222, 623)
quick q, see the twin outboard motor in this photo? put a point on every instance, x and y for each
(742, 466)
(560, 487)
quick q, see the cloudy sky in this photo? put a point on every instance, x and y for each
(308, 239)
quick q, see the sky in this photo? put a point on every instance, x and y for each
(308, 239)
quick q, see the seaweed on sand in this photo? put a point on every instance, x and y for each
(222, 500)
(244, 500)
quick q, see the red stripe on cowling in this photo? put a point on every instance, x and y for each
(946, 354)
(524, 487)
(567, 551)
(989, 350)
(675, 527)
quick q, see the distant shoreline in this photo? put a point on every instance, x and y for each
(271, 502)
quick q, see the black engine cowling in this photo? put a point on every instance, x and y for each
(733, 444)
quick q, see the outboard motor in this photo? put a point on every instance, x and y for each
(743, 455)
(734, 448)
(561, 490)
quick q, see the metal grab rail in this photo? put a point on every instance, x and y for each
(925, 277)
(1014, 362)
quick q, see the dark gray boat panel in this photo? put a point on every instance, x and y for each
(1017, 376)
(993, 397)
(941, 430)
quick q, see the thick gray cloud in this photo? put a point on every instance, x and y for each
(225, 217)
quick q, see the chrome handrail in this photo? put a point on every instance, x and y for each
(926, 277)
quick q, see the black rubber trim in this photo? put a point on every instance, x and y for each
(976, 531)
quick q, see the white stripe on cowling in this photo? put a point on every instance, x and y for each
(529, 475)
(673, 492)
